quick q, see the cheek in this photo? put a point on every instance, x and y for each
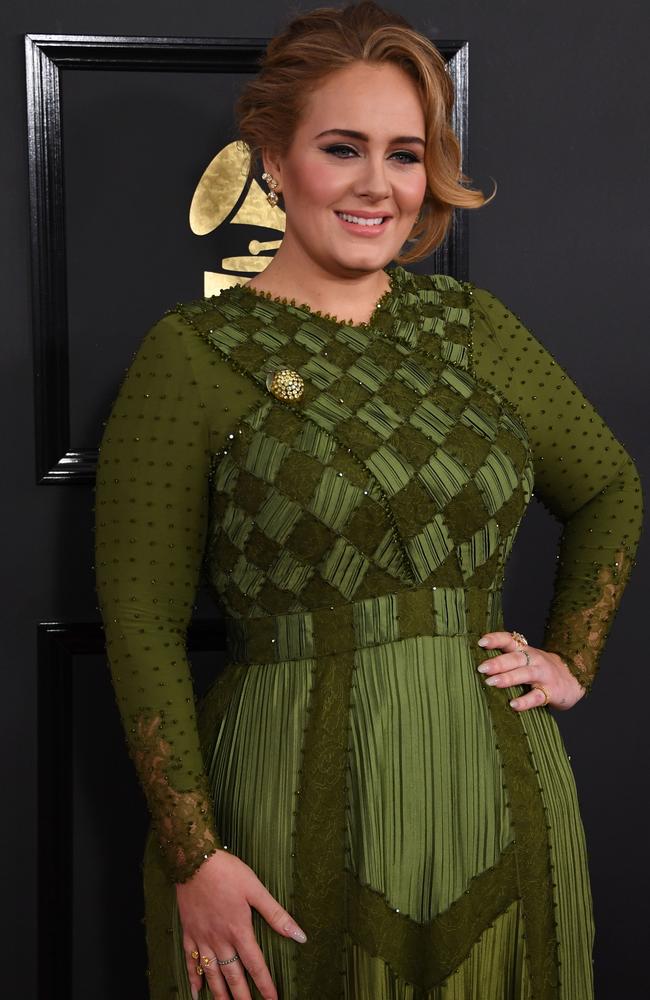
(412, 192)
(317, 185)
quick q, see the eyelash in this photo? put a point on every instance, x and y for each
(338, 147)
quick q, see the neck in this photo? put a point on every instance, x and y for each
(350, 295)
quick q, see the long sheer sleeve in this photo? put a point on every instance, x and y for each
(152, 499)
(583, 475)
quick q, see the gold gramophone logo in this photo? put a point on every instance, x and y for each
(224, 196)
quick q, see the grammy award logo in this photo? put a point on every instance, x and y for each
(225, 196)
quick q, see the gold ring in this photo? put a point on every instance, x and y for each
(199, 969)
(520, 639)
(538, 687)
(194, 953)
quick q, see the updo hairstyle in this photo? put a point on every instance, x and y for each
(319, 42)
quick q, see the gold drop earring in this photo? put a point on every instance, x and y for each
(271, 196)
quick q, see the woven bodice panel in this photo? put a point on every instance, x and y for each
(397, 467)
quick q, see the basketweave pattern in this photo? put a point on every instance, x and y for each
(396, 468)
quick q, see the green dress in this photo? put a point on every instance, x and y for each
(424, 834)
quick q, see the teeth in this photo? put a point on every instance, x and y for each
(359, 221)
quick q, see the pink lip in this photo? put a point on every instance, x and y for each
(368, 232)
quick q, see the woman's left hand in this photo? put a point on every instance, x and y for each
(546, 669)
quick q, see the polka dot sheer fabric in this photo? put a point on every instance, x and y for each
(583, 476)
(356, 541)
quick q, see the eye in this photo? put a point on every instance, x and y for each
(406, 156)
(341, 151)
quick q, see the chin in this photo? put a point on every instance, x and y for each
(366, 260)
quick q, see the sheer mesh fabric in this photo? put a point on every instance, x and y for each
(583, 475)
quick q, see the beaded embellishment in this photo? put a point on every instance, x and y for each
(286, 384)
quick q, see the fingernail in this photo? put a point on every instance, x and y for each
(195, 994)
(483, 642)
(514, 703)
(491, 681)
(483, 669)
(296, 933)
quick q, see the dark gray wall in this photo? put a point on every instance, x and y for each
(558, 115)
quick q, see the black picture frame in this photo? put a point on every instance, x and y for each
(47, 57)
(62, 648)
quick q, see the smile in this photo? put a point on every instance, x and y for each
(357, 220)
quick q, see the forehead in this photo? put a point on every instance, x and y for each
(367, 97)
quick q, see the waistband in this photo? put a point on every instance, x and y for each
(417, 611)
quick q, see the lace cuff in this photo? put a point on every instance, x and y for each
(183, 820)
(578, 637)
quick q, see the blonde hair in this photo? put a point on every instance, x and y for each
(317, 43)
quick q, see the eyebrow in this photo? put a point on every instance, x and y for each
(361, 135)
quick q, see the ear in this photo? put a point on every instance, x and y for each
(272, 163)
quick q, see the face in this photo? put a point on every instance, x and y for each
(353, 179)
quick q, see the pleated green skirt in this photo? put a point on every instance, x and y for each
(425, 836)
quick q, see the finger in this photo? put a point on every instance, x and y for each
(252, 959)
(502, 640)
(505, 661)
(533, 699)
(509, 678)
(225, 981)
(194, 977)
(216, 984)
(274, 914)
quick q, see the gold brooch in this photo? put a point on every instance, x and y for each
(286, 384)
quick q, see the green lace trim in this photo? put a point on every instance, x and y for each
(183, 820)
(425, 955)
(395, 276)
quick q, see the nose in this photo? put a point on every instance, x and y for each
(372, 181)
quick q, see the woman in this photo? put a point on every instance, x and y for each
(377, 802)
